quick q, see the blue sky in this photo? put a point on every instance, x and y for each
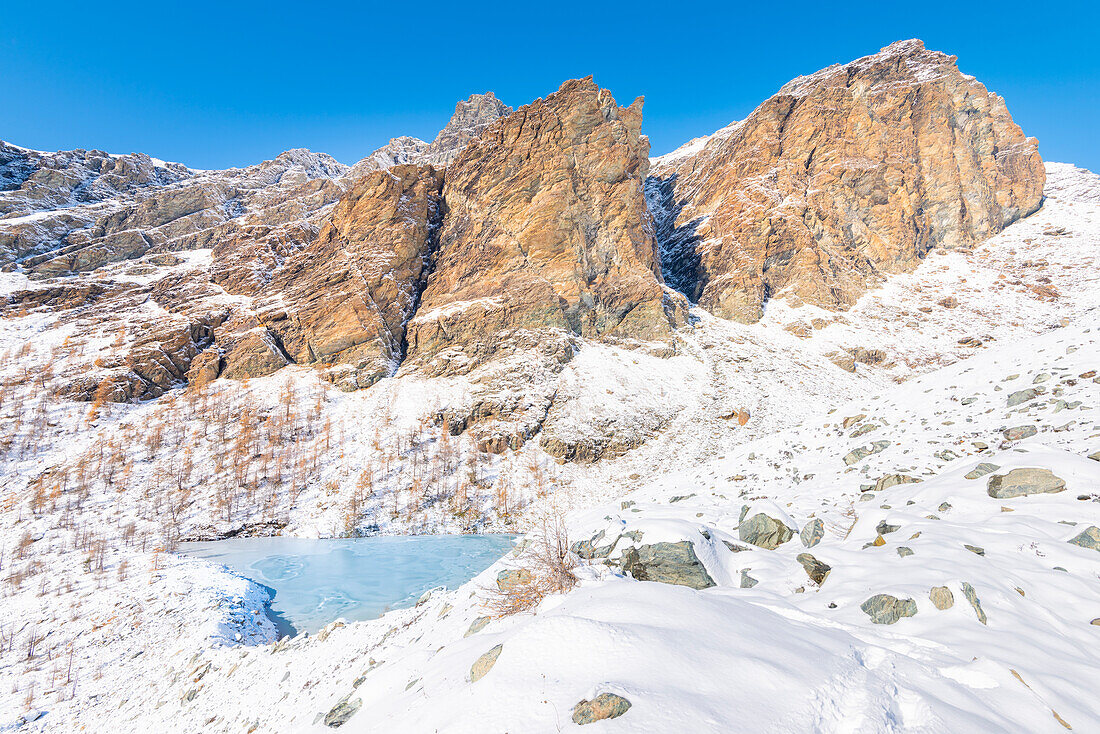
(216, 85)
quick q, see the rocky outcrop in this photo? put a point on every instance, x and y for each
(546, 231)
(343, 301)
(471, 118)
(402, 149)
(842, 176)
(31, 180)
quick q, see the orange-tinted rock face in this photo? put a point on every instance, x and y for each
(345, 298)
(843, 175)
(546, 230)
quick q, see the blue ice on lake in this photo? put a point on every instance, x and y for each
(318, 581)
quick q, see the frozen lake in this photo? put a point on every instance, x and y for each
(318, 581)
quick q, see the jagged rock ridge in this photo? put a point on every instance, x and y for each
(471, 117)
(546, 231)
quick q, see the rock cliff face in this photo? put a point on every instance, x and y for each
(345, 298)
(842, 176)
(536, 236)
(546, 231)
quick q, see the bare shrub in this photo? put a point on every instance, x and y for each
(548, 564)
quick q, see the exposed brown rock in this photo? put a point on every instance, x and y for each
(844, 175)
(255, 353)
(546, 229)
(346, 297)
(205, 368)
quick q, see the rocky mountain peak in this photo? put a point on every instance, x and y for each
(844, 175)
(546, 233)
(470, 118)
(402, 149)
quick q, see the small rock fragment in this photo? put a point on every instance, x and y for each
(812, 533)
(484, 664)
(972, 597)
(477, 625)
(981, 470)
(817, 570)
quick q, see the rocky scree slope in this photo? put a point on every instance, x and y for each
(928, 567)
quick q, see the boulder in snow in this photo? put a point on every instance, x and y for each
(1088, 538)
(339, 714)
(667, 563)
(1022, 482)
(764, 531)
(815, 569)
(941, 597)
(484, 664)
(812, 533)
(603, 706)
(887, 609)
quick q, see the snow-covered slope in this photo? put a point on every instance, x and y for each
(798, 418)
(1011, 653)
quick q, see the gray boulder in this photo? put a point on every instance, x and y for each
(887, 609)
(885, 528)
(339, 714)
(1023, 482)
(764, 532)
(747, 582)
(1018, 433)
(667, 563)
(812, 533)
(1022, 396)
(1088, 538)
